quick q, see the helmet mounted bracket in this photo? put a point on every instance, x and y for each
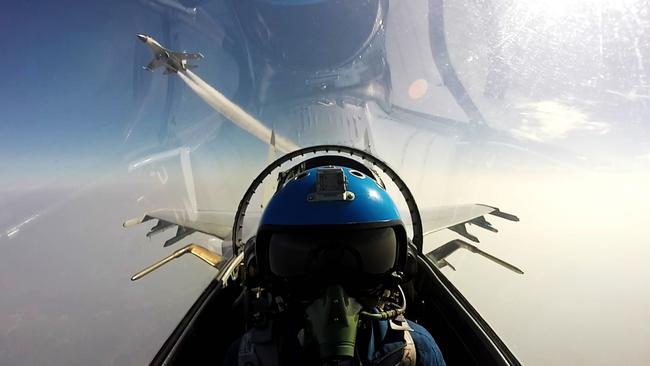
(331, 185)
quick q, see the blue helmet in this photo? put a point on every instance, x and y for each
(331, 224)
(330, 196)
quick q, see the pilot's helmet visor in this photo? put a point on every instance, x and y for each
(333, 253)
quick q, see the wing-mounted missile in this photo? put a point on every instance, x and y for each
(498, 213)
(438, 256)
(483, 223)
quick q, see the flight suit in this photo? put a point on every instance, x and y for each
(377, 344)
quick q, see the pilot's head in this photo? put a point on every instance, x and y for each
(331, 225)
(330, 242)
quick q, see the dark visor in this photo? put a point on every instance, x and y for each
(363, 252)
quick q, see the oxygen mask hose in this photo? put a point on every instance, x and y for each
(388, 314)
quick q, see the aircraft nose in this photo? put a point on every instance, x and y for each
(142, 37)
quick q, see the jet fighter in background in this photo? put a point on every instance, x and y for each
(173, 61)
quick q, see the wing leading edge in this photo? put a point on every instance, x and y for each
(187, 55)
(455, 218)
(215, 223)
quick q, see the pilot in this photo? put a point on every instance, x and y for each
(323, 277)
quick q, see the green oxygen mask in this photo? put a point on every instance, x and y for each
(332, 323)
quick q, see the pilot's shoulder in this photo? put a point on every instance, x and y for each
(427, 351)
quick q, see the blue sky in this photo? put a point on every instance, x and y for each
(64, 99)
(73, 97)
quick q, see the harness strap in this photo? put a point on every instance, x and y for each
(409, 355)
(405, 354)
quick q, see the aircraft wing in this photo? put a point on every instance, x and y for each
(155, 63)
(215, 223)
(455, 217)
(188, 56)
